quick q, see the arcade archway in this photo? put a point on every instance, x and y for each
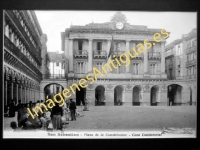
(174, 94)
(52, 89)
(99, 95)
(137, 95)
(118, 95)
(154, 95)
(80, 96)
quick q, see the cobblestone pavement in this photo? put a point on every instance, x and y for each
(133, 118)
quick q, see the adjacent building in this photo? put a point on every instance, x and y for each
(143, 82)
(181, 62)
(22, 56)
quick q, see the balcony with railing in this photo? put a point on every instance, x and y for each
(191, 49)
(154, 55)
(191, 63)
(99, 54)
(81, 53)
(80, 75)
(53, 76)
(118, 53)
(139, 56)
(193, 76)
(17, 52)
(180, 77)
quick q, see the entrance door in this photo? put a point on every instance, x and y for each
(80, 96)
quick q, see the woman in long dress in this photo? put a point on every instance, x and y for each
(56, 115)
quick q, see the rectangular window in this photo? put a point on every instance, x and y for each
(195, 70)
(195, 56)
(80, 45)
(80, 67)
(99, 45)
(99, 66)
(57, 64)
(153, 68)
(192, 70)
(189, 71)
(135, 68)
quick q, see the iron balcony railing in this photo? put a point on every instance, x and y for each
(140, 55)
(80, 53)
(191, 49)
(17, 52)
(99, 53)
(191, 63)
(53, 76)
(118, 53)
(154, 55)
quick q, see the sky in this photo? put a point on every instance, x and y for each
(55, 22)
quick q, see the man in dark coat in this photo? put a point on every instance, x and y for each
(72, 108)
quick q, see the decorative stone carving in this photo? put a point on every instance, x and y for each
(90, 86)
(118, 17)
(109, 86)
(128, 86)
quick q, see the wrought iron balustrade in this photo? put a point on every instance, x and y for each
(154, 55)
(17, 52)
(99, 53)
(191, 63)
(139, 56)
(118, 53)
(53, 76)
(80, 53)
(191, 49)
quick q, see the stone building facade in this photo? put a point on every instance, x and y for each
(22, 56)
(144, 82)
(181, 62)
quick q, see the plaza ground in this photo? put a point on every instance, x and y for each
(129, 118)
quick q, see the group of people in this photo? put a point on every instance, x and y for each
(53, 118)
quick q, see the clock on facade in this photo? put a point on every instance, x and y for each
(119, 25)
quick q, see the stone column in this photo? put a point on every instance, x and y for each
(163, 100)
(146, 99)
(7, 31)
(21, 94)
(25, 95)
(90, 56)
(5, 93)
(163, 57)
(108, 46)
(66, 52)
(11, 90)
(71, 67)
(109, 97)
(128, 48)
(17, 96)
(146, 61)
(128, 97)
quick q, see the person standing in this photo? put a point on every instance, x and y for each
(12, 109)
(56, 114)
(86, 105)
(72, 108)
(19, 109)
